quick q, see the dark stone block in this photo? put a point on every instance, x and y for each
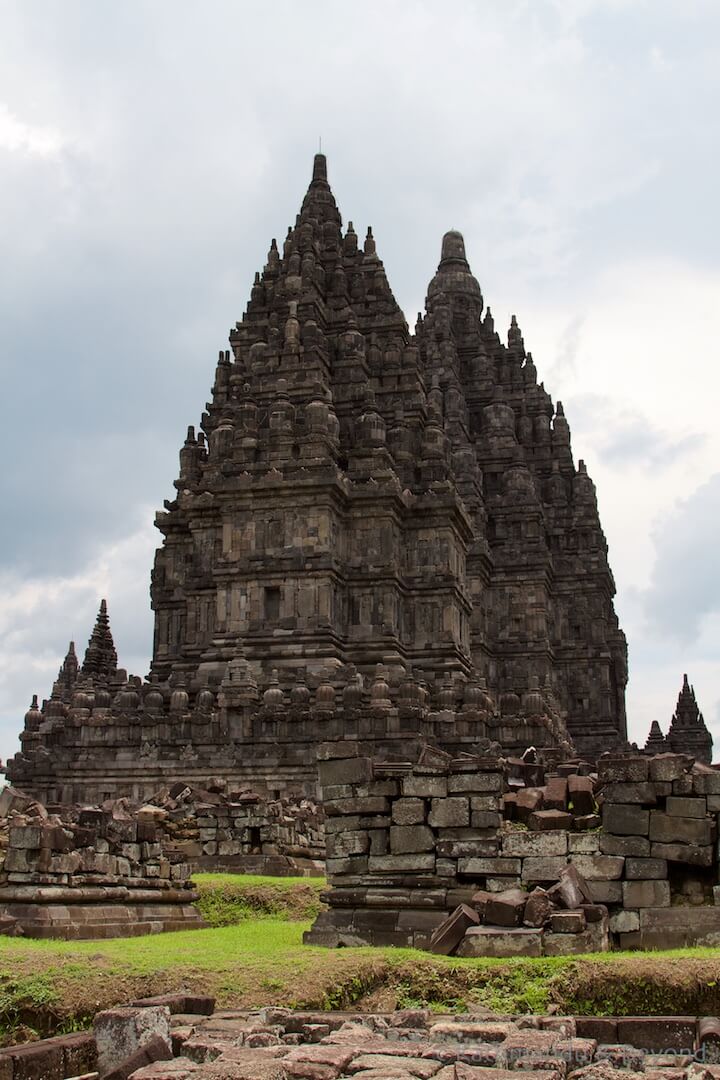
(506, 908)
(450, 933)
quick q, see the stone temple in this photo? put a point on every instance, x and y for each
(376, 535)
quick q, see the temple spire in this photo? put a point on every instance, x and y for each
(688, 732)
(68, 673)
(100, 656)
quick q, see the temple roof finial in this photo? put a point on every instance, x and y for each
(320, 168)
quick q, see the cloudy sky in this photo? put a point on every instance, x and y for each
(149, 150)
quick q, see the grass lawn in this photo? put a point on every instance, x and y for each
(48, 986)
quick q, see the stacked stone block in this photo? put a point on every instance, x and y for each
(92, 875)
(407, 844)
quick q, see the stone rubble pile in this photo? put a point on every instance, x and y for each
(551, 922)
(409, 844)
(179, 1036)
(89, 873)
(220, 829)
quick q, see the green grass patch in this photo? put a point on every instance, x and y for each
(256, 957)
(228, 899)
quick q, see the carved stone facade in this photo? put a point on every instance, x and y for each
(376, 534)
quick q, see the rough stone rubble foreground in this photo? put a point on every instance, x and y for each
(181, 1036)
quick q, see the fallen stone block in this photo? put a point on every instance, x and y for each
(555, 795)
(506, 908)
(446, 938)
(528, 801)
(587, 822)
(480, 901)
(469, 1031)
(537, 909)
(567, 922)
(499, 942)
(581, 795)
(119, 1033)
(594, 938)
(541, 820)
(154, 1049)
(657, 1033)
(571, 889)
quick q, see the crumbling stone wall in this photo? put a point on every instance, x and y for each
(407, 844)
(89, 873)
(241, 831)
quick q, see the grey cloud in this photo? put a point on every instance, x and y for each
(188, 134)
(685, 583)
(625, 436)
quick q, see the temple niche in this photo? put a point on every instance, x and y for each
(374, 534)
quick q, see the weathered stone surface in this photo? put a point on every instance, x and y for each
(646, 894)
(446, 938)
(452, 812)
(624, 845)
(539, 868)
(623, 769)
(541, 820)
(119, 1033)
(493, 866)
(625, 819)
(664, 767)
(643, 869)
(683, 853)
(411, 838)
(686, 807)
(537, 909)
(493, 941)
(506, 908)
(623, 922)
(641, 793)
(567, 922)
(669, 829)
(408, 812)
(519, 843)
(599, 867)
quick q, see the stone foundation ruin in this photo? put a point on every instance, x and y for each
(549, 861)
(88, 874)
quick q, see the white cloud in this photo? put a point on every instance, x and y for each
(38, 616)
(17, 136)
